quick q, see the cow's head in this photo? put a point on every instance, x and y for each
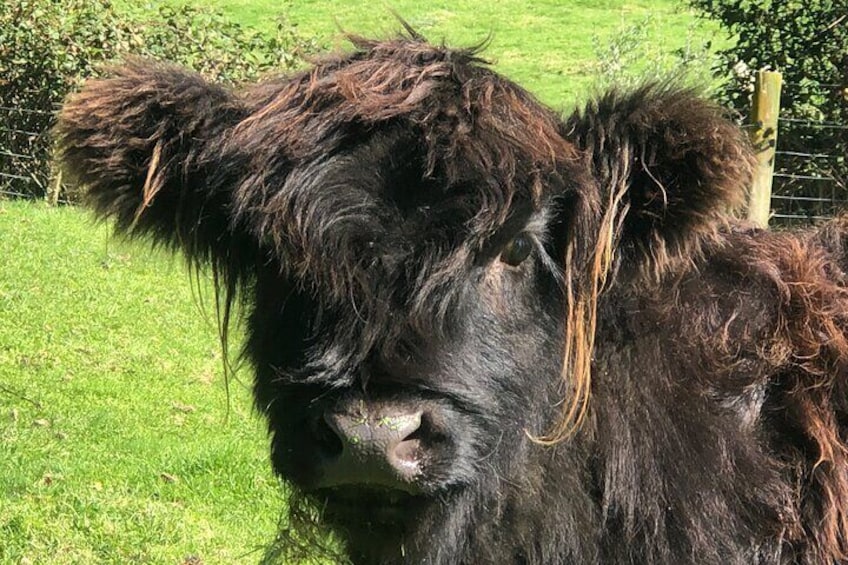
(421, 248)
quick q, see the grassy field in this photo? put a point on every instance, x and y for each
(552, 47)
(557, 49)
(118, 442)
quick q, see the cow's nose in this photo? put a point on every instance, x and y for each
(377, 447)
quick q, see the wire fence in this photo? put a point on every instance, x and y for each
(25, 160)
(807, 186)
(810, 179)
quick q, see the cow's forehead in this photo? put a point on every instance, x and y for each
(397, 158)
(467, 116)
(385, 189)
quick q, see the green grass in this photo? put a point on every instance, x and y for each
(552, 47)
(546, 45)
(118, 443)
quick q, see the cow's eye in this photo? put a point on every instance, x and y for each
(517, 250)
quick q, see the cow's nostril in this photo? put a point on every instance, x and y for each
(428, 432)
(406, 456)
(413, 446)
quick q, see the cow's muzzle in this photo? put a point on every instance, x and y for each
(373, 443)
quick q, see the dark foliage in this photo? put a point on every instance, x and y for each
(485, 334)
(808, 43)
(47, 48)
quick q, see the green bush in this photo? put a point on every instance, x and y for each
(47, 47)
(808, 43)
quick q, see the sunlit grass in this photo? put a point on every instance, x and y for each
(117, 441)
(548, 46)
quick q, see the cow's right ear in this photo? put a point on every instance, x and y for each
(142, 142)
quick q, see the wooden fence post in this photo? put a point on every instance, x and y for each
(764, 113)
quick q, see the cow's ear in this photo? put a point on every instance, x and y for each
(142, 142)
(670, 160)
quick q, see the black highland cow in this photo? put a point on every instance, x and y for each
(485, 334)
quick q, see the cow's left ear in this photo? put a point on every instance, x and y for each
(670, 160)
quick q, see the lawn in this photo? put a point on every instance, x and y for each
(119, 441)
(551, 47)
(555, 48)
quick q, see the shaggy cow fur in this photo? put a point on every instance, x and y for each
(580, 355)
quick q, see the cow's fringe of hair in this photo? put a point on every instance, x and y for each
(582, 316)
